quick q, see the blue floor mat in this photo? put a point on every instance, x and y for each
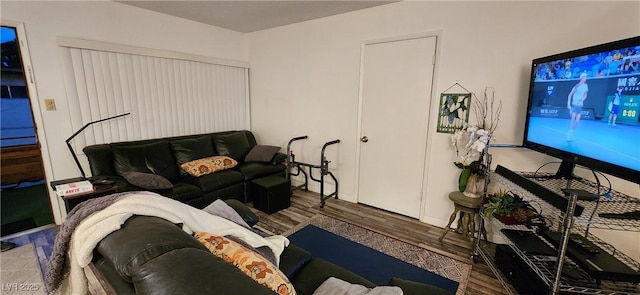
(371, 264)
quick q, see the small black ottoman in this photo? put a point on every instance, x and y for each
(271, 194)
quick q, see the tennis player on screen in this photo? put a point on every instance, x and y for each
(615, 107)
(575, 101)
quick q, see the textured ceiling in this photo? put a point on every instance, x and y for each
(250, 16)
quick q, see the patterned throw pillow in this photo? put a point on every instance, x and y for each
(208, 165)
(248, 261)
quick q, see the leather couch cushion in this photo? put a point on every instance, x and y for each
(194, 271)
(141, 239)
(100, 158)
(215, 181)
(189, 149)
(235, 191)
(183, 192)
(154, 157)
(255, 170)
(234, 145)
(317, 271)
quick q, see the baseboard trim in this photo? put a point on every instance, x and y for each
(434, 221)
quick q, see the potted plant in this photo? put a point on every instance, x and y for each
(471, 142)
(475, 168)
(509, 208)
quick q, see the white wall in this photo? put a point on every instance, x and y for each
(305, 77)
(108, 22)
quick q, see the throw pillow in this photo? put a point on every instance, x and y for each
(154, 157)
(335, 286)
(147, 180)
(261, 153)
(208, 165)
(249, 262)
(222, 209)
(263, 251)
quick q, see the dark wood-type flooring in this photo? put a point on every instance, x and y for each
(305, 204)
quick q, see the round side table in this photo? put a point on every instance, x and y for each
(469, 209)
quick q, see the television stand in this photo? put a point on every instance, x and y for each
(553, 278)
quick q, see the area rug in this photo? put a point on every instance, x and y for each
(435, 263)
(21, 272)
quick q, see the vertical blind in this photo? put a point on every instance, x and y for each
(165, 96)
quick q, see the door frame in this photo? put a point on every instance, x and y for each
(34, 100)
(429, 135)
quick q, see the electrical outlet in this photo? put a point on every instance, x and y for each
(50, 104)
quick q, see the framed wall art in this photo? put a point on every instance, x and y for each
(454, 111)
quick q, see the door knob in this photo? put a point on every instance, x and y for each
(364, 139)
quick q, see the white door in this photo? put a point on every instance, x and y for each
(395, 92)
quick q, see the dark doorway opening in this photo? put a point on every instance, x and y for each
(25, 202)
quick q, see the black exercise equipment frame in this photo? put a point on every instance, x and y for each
(323, 166)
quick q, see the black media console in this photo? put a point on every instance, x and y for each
(529, 261)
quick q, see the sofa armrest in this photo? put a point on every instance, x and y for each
(141, 239)
(247, 215)
(279, 158)
(292, 259)
(107, 278)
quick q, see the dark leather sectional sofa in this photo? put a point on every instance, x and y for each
(150, 255)
(163, 157)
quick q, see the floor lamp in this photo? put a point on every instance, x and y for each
(75, 158)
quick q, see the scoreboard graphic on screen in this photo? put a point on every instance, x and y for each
(629, 109)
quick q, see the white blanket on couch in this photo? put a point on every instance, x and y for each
(97, 226)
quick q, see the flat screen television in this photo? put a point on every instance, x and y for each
(584, 108)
